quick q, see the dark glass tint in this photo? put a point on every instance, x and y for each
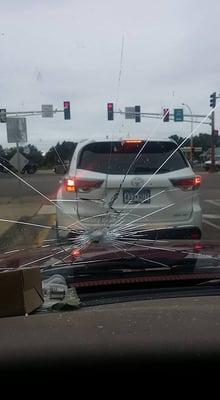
(116, 157)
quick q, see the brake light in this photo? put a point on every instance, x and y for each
(73, 184)
(76, 253)
(197, 247)
(187, 183)
(132, 141)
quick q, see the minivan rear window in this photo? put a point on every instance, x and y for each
(116, 157)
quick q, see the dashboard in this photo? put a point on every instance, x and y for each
(161, 335)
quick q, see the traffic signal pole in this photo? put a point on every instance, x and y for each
(213, 167)
(213, 98)
(171, 116)
(29, 113)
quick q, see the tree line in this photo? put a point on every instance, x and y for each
(62, 152)
(56, 154)
(202, 140)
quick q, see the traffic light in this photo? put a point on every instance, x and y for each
(3, 116)
(66, 106)
(166, 114)
(213, 100)
(137, 110)
(110, 111)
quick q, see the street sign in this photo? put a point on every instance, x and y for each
(16, 130)
(47, 110)
(2, 114)
(216, 132)
(129, 112)
(18, 161)
(178, 114)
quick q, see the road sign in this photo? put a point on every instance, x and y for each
(216, 132)
(2, 114)
(178, 114)
(47, 110)
(129, 112)
(16, 130)
(18, 161)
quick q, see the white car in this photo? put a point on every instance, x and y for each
(130, 186)
(207, 164)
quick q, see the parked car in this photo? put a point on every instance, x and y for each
(61, 168)
(109, 186)
(30, 168)
(207, 164)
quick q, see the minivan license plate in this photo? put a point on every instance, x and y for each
(132, 196)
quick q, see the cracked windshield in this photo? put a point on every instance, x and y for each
(109, 147)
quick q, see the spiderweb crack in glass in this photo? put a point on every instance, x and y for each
(115, 196)
(108, 233)
(168, 158)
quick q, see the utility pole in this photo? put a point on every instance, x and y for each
(20, 189)
(191, 137)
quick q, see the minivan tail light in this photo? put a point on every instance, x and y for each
(74, 184)
(187, 183)
(69, 185)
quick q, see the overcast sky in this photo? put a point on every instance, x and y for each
(53, 51)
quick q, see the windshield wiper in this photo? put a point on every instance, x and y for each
(133, 266)
(117, 262)
(133, 263)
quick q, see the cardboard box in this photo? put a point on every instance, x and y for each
(20, 291)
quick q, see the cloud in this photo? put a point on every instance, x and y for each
(55, 51)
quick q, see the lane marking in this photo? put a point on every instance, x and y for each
(211, 224)
(12, 251)
(46, 210)
(213, 202)
(211, 216)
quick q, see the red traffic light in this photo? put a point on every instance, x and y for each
(66, 106)
(110, 111)
(166, 114)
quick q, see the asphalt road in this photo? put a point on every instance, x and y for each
(210, 203)
(47, 183)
